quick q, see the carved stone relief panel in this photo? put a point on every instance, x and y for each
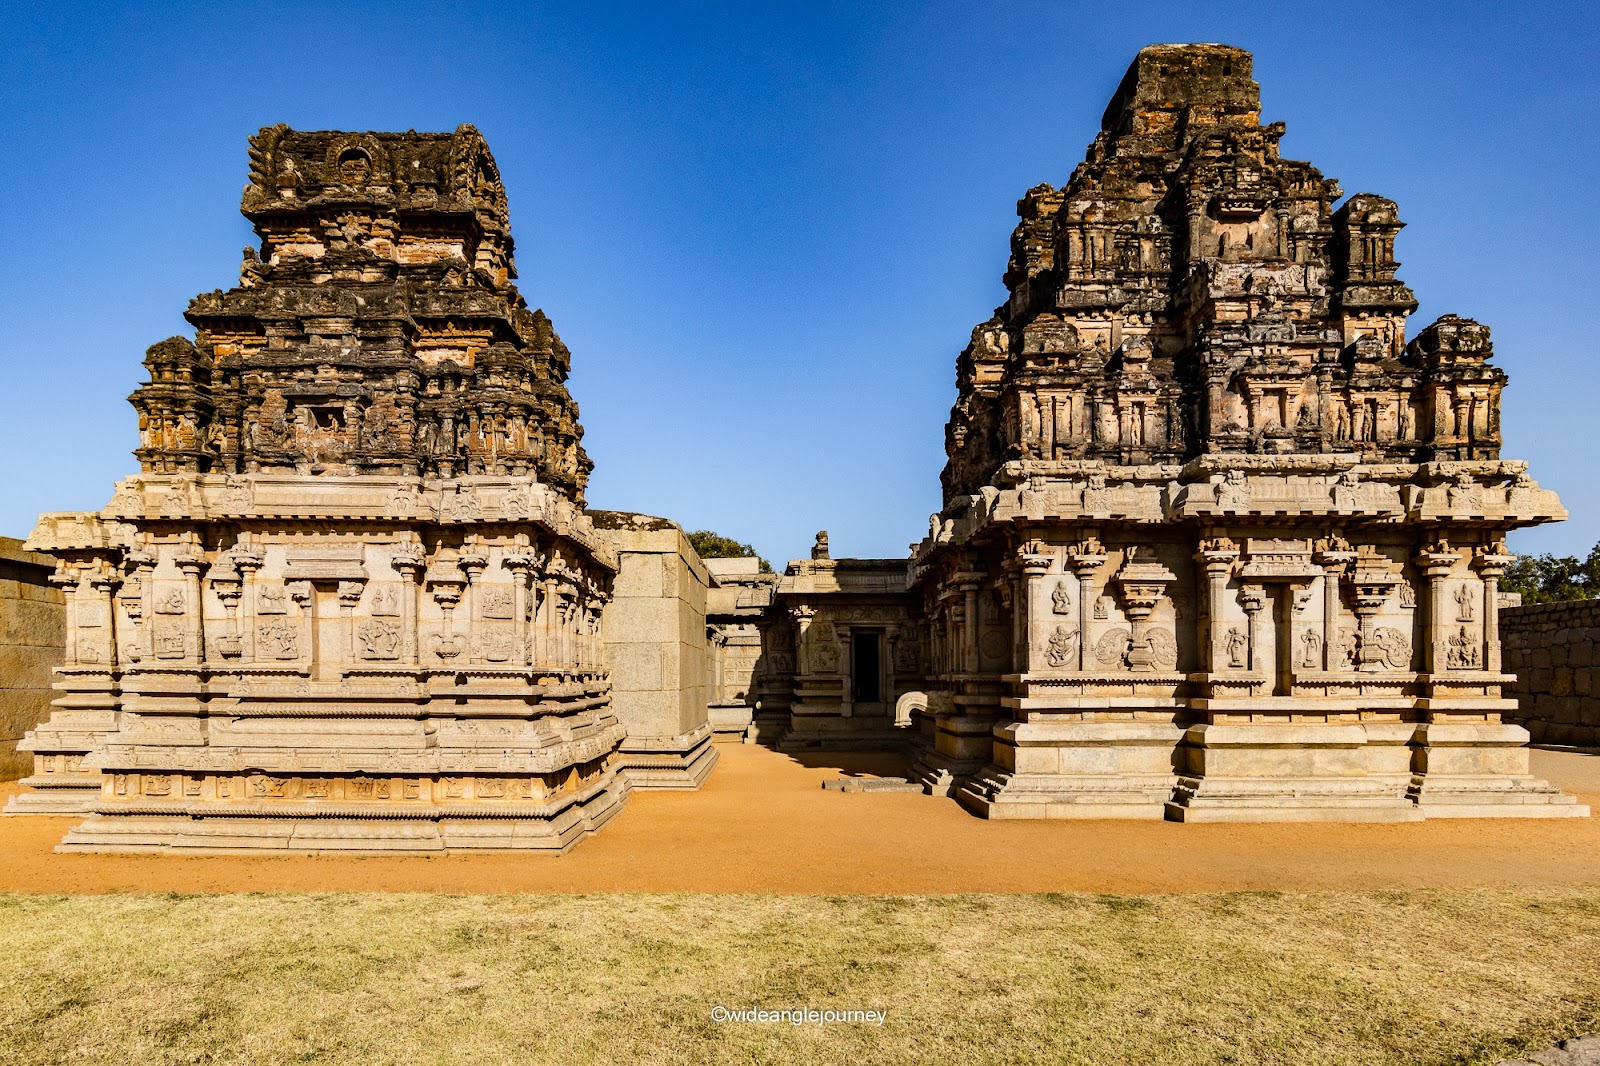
(171, 638)
(377, 638)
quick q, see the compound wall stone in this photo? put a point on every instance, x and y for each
(32, 642)
(1550, 647)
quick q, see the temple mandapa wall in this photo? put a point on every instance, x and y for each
(32, 642)
(1552, 648)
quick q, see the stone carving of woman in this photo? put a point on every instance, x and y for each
(1236, 647)
(1310, 649)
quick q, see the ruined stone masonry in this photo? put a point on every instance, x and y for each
(352, 599)
(1220, 541)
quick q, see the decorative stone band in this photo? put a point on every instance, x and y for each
(199, 497)
(1222, 486)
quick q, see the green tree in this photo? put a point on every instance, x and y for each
(711, 545)
(1552, 578)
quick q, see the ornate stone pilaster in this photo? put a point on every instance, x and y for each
(192, 562)
(407, 562)
(1491, 561)
(1436, 560)
(302, 593)
(65, 578)
(1027, 571)
(473, 561)
(545, 624)
(446, 582)
(566, 614)
(891, 637)
(349, 594)
(846, 671)
(1142, 586)
(1252, 598)
(968, 583)
(248, 561)
(1334, 556)
(521, 565)
(1371, 582)
(227, 583)
(1086, 558)
(803, 616)
(1216, 556)
(135, 601)
(104, 581)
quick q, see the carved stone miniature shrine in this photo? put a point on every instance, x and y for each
(1219, 541)
(352, 600)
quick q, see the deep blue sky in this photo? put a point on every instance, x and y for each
(766, 230)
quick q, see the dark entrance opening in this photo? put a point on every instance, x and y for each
(864, 668)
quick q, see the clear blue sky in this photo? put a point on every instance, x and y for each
(766, 230)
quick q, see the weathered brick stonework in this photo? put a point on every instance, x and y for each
(1554, 649)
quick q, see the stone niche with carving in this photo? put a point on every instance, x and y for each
(351, 601)
(1219, 541)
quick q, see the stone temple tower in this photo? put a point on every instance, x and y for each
(351, 600)
(1220, 541)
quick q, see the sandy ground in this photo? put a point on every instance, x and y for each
(762, 823)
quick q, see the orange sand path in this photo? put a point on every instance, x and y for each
(763, 824)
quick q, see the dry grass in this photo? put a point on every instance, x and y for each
(1412, 977)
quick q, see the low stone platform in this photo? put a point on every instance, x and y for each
(764, 823)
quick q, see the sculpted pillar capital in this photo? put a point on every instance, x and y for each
(1491, 560)
(1086, 557)
(190, 560)
(1437, 558)
(246, 560)
(406, 560)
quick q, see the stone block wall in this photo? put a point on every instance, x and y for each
(33, 626)
(656, 647)
(1551, 647)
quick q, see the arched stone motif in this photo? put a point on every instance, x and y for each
(907, 705)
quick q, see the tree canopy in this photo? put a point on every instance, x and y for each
(1552, 578)
(711, 545)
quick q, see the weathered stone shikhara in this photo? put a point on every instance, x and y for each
(1219, 542)
(352, 599)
